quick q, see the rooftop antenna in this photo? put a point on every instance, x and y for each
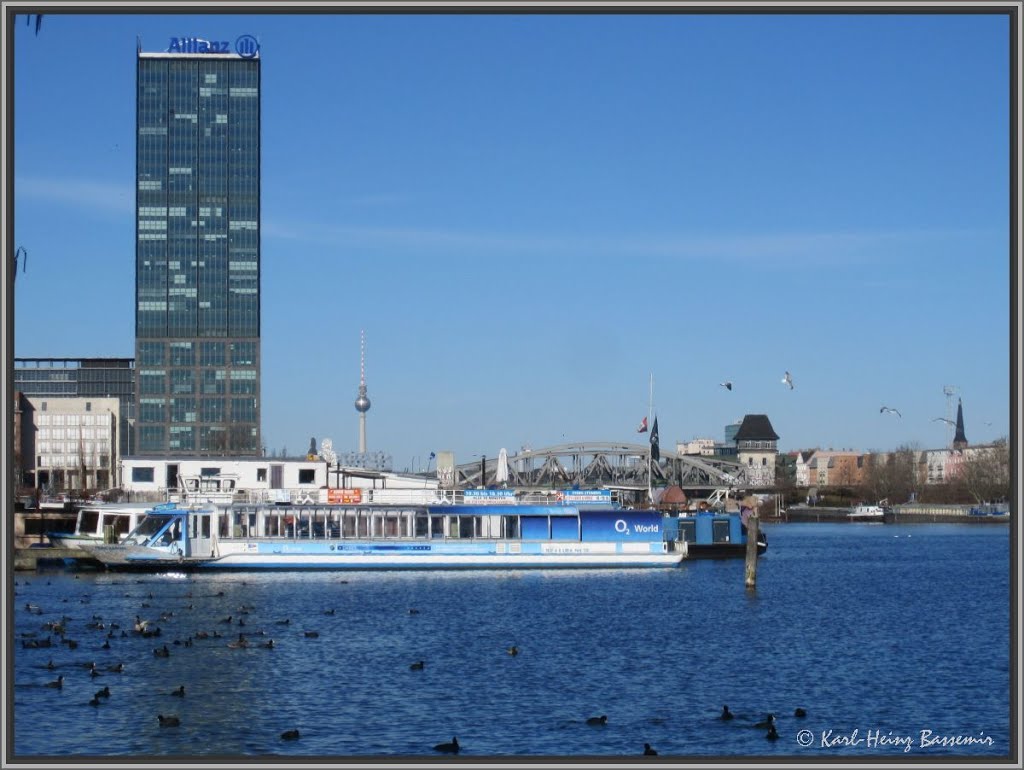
(949, 391)
(362, 402)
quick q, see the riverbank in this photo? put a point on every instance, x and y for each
(900, 514)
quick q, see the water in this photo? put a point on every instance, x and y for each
(886, 630)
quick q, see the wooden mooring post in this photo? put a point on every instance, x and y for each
(750, 562)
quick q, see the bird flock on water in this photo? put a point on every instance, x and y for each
(121, 638)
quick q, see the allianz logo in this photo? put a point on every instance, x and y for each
(197, 45)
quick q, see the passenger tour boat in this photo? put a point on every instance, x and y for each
(393, 537)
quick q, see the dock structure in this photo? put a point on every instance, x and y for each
(26, 559)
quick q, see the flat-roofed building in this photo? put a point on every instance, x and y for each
(197, 256)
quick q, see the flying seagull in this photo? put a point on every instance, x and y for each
(727, 384)
(943, 419)
(788, 380)
(889, 409)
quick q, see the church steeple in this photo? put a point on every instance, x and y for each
(959, 440)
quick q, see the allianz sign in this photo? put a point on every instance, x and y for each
(197, 45)
(246, 46)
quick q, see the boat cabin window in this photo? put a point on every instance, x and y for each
(88, 521)
(469, 526)
(688, 531)
(421, 525)
(720, 531)
(200, 525)
(121, 523)
(510, 527)
(437, 526)
(149, 526)
(172, 534)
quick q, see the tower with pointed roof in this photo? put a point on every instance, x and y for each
(960, 439)
(756, 449)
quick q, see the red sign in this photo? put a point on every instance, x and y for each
(344, 495)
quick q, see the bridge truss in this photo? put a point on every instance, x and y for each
(598, 464)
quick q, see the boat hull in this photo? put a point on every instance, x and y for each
(722, 550)
(290, 555)
(68, 540)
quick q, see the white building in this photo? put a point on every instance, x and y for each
(70, 443)
(264, 479)
(802, 466)
(704, 447)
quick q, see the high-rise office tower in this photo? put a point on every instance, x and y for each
(197, 256)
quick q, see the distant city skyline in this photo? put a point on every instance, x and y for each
(531, 215)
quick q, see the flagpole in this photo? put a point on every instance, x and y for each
(650, 415)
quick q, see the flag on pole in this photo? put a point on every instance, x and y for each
(643, 426)
(655, 449)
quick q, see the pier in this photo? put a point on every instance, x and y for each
(900, 514)
(29, 558)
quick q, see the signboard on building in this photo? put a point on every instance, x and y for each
(489, 495)
(577, 496)
(344, 496)
(246, 46)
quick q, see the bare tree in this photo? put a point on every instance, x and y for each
(985, 472)
(891, 476)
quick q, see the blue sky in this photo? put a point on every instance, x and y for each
(530, 215)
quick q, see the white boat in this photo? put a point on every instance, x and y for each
(867, 513)
(393, 537)
(93, 519)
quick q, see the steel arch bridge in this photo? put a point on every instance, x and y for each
(595, 464)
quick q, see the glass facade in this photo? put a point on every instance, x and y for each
(82, 377)
(197, 317)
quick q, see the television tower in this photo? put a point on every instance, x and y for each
(362, 402)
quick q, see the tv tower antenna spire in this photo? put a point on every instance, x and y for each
(362, 401)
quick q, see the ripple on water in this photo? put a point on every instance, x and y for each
(862, 629)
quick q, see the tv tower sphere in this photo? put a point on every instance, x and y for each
(362, 402)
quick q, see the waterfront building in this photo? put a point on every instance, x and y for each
(197, 257)
(704, 447)
(299, 480)
(83, 378)
(802, 467)
(829, 468)
(67, 443)
(756, 448)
